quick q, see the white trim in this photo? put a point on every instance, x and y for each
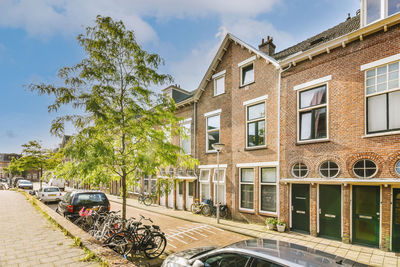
(215, 85)
(258, 164)
(312, 83)
(342, 181)
(212, 166)
(260, 184)
(379, 62)
(290, 206)
(244, 62)
(256, 120)
(318, 209)
(255, 100)
(185, 121)
(214, 112)
(240, 188)
(216, 75)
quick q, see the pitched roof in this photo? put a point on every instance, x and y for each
(350, 25)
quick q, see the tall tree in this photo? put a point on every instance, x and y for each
(123, 127)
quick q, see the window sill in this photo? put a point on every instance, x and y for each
(246, 84)
(246, 211)
(211, 152)
(325, 140)
(266, 213)
(224, 93)
(255, 148)
(380, 134)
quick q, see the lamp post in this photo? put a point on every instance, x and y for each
(218, 147)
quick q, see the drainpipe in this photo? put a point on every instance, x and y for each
(279, 136)
(194, 142)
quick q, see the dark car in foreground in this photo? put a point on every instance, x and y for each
(72, 202)
(25, 184)
(256, 253)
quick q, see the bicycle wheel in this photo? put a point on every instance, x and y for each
(195, 208)
(206, 210)
(155, 245)
(148, 201)
(223, 213)
(120, 242)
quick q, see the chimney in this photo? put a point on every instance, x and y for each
(268, 46)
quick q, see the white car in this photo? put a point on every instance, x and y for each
(49, 193)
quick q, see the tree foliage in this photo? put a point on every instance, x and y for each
(123, 127)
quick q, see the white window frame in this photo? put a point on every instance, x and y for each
(216, 77)
(312, 85)
(241, 74)
(153, 178)
(240, 189)
(397, 169)
(299, 177)
(215, 183)
(326, 177)
(375, 65)
(181, 140)
(146, 190)
(361, 177)
(205, 182)
(256, 120)
(276, 190)
(383, 14)
(209, 115)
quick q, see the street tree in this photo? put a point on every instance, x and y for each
(123, 128)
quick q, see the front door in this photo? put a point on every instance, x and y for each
(179, 195)
(189, 194)
(301, 207)
(330, 211)
(396, 220)
(366, 215)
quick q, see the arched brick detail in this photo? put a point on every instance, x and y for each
(380, 163)
(390, 163)
(296, 160)
(340, 162)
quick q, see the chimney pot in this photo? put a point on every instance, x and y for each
(267, 47)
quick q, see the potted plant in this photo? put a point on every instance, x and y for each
(270, 222)
(281, 225)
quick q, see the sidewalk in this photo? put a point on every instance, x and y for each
(27, 238)
(371, 256)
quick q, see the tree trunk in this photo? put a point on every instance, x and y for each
(123, 179)
(40, 178)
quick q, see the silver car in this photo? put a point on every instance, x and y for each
(256, 253)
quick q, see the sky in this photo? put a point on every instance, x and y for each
(38, 37)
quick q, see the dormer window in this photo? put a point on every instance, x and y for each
(374, 10)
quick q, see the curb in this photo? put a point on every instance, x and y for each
(191, 220)
(106, 255)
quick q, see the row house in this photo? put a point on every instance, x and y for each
(311, 133)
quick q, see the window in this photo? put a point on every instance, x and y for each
(219, 185)
(247, 74)
(397, 168)
(226, 260)
(153, 184)
(204, 184)
(146, 184)
(268, 189)
(185, 140)
(312, 113)
(365, 168)
(383, 98)
(191, 188)
(247, 188)
(299, 170)
(379, 9)
(256, 125)
(329, 169)
(219, 85)
(213, 124)
(180, 188)
(263, 263)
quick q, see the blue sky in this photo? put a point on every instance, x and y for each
(39, 37)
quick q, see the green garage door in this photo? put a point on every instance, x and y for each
(330, 211)
(396, 220)
(301, 207)
(366, 215)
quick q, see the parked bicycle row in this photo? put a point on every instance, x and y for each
(206, 208)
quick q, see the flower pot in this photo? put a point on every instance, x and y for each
(270, 226)
(281, 228)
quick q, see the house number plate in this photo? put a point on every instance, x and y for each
(300, 211)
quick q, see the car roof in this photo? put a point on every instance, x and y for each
(24, 181)
(50, 187)
(289, 253)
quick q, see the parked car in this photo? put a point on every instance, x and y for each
(15, 180)
(3, 180)
(49, 193)
(256, 253)
(25, 184)
(60, 183)
(72, 202)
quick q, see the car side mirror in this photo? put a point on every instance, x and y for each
(198, 263)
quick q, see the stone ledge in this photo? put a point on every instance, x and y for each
(108, 256)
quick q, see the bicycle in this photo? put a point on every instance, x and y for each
(145, 199)
(208, 209)
(196, 207)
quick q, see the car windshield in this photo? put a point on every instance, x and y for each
(24, 182)
(90, 198)
(51, 189)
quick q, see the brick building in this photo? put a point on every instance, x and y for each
(5, 159)
(311, 133)
(340, 130)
